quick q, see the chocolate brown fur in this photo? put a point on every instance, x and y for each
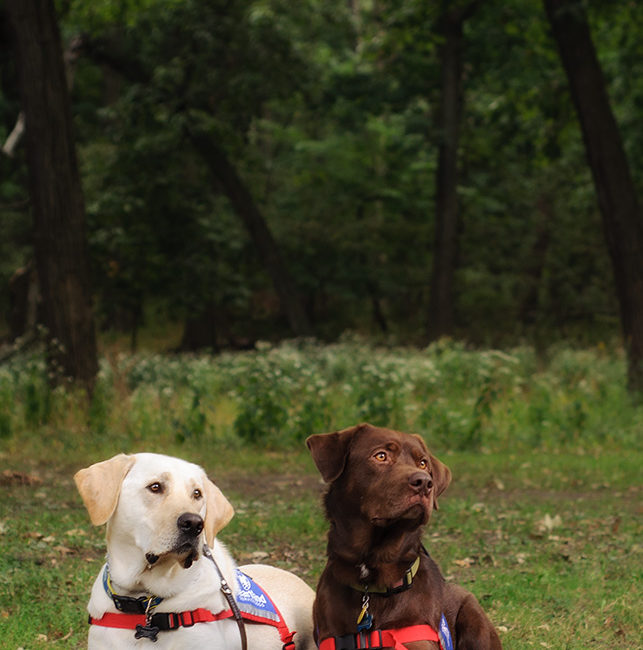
(383, 486)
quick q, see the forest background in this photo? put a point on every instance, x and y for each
(261, 170)
(234, 223)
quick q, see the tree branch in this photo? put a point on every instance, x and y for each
(9, 147)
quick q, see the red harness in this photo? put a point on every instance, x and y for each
(383, 638)
(173, 620)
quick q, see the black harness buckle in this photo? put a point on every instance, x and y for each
(350, 641)
(130, 605)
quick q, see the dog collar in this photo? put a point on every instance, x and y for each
(403, 585)
(129, 604)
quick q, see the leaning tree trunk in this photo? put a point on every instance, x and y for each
(56, 196)
(617, 199)
(445, 246)
(261, 236)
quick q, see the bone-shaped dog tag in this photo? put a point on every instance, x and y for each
(150, 632)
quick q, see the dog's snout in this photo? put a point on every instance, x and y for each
(420, 481)
(189, 523)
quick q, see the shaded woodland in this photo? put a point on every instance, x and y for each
(268, 169)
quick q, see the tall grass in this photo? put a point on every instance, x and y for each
(277, 395)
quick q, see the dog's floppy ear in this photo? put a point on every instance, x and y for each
(330, 450)
(218, 511)
(441, 478)
(100, 486)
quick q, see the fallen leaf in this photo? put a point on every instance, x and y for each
(11, 477)
(548, 523)
(257, 556)
(63, 549)
(34, 535)
(64, 638)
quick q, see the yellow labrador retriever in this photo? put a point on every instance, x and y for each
(165, 580)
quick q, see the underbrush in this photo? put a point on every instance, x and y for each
(276, 396)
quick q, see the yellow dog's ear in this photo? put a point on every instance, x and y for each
(218, 511)
(100, 486)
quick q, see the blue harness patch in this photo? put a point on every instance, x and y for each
(444, 634)
(253, 600)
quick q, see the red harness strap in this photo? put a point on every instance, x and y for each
(180, 619)
(187, 619)
(285, 634)
(387, 638)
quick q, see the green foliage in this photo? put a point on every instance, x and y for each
(457, 397)
(328, 112)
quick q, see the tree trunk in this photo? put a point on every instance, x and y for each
(445, 247)
(54, 184)
(245, 207)
(617, 200)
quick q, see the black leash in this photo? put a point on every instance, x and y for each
(227, 592)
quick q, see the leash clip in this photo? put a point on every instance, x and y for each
(365, 619)
(148, 631)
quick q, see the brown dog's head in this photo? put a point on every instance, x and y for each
(388, 475)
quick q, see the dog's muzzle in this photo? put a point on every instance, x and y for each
(190, 526)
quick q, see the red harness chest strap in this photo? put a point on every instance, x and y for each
(385, 638)
(174, 620)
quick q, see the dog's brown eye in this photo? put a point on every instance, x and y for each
(381, 456)
(423, 464)
(155, 487)
(197, 494)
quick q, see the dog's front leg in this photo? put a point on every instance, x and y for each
(473, 630)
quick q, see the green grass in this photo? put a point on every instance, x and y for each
(542, 521)
(549, 544)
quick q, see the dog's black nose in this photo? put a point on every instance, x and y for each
(190, 524)
(420, 481)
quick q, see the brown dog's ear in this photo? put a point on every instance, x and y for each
(100, 486)
(329, 451)
(441, 478)
(218, 511)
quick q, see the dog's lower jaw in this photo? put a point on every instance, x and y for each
(184, 554)
(192, 557)
(415, 515)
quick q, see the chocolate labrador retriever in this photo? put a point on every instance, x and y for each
(380, 588)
